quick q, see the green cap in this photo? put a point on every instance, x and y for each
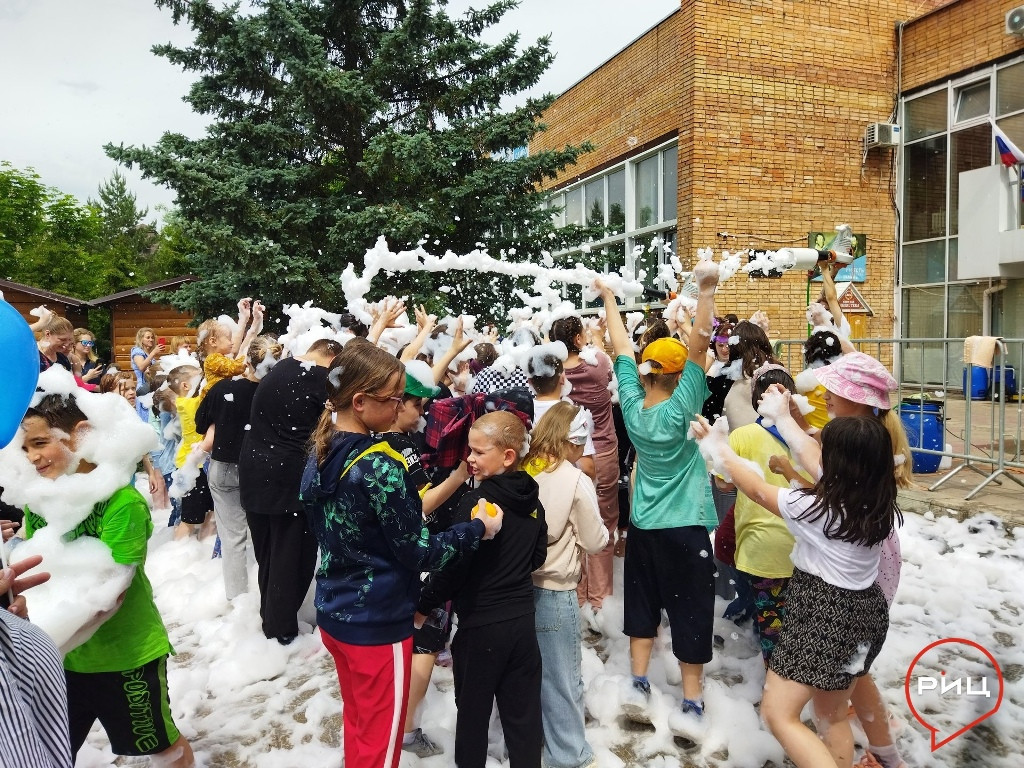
(417, 388)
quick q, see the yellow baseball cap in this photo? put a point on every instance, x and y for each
(669, 354)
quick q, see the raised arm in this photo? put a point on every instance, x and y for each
(706, 272)
(715, 442)
(459, 343)
(776, 405)
(426, 324)
(617, 332)
(244, 312)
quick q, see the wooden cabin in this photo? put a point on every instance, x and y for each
(25, 298)
(130, 311)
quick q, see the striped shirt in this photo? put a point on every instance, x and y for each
(33, 698)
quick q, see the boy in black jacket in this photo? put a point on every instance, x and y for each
(495, 653)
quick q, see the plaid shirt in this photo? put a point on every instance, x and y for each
(447, 432)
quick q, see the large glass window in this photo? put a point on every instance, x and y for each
(669, 183)
(924, 263)
(924, 189)
(972, 101)
(646, 192)
(617, 202)
(925, 116)
(574, 206)
(593, 197)
(1010, 89)
(650, 183)
(969, 149)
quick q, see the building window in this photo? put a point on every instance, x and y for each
(947, 131)
(1010, 89)
(631, 207)
(925, 116)
(972, 101)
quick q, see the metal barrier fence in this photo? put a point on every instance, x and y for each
(931, 382)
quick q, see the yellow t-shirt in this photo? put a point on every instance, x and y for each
(817, 418)
(217, 367)
(187, 407)
(763, 542)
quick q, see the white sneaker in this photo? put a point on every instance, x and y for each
(635, 699)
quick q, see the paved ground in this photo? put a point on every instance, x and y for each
(1006, 500)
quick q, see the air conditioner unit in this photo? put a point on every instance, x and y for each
(881, 135)
(1015, 21)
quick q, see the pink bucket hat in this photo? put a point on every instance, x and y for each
(859, 378)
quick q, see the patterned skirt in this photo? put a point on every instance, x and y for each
(830, 635)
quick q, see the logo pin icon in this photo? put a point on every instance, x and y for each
(949, 698)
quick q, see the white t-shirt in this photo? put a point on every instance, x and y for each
(840, 563)
(540, 407)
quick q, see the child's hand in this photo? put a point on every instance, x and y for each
(244, 308)
(706, 273)
(9, 528)
(460, 341)
(258, 313)
(43, 313)
(491, 515)
(774, 403)
(760, 319)
(13, 580)
(780, 465)
(818, 315)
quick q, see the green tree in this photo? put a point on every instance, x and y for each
(333, 122)
(127, 243)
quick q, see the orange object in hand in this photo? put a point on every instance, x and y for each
(482, 507)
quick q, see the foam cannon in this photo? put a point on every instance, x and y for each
(808, 258)
(774, 263)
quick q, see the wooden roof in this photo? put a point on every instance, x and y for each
(160, 285)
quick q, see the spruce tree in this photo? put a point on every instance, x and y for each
(335, 121)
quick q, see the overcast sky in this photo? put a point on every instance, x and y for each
(79, 73)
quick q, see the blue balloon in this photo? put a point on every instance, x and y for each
(21, 370)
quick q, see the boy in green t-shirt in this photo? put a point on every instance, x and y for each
(116, 663)
(668, 566)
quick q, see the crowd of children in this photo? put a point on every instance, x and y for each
(446, 481)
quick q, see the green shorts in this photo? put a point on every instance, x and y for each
(132, 706)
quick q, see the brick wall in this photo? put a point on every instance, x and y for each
(770, 101)
(956, 38)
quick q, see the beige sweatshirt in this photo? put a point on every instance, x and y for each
(574, 524)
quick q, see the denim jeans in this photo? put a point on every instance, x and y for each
(561, 692)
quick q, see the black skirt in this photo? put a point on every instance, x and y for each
(830, 635)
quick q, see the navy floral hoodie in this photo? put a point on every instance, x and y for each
(373, 543)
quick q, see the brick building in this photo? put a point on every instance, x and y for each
(736, 126)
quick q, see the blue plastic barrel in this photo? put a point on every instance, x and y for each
(978, 388)
(1009, 376)
(923, 422)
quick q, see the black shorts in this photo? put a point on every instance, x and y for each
(198, 502)
(433, 636)
(671, 569)
(132, 706)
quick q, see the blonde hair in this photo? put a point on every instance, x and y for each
(56, 326)
(142, 332)
(359, 367)
(80, 333)
(261, 347)
(207, 332)
(900, 447)
(178, 341)
(180, 375)
(549, 439)
(505, 431)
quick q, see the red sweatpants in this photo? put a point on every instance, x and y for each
(374, 683)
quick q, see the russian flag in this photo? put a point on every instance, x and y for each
(1009, 153)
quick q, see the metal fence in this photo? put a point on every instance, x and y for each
(934, 385)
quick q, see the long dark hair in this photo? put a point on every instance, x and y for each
(857, 491)
(753, 347)
(565, 330)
